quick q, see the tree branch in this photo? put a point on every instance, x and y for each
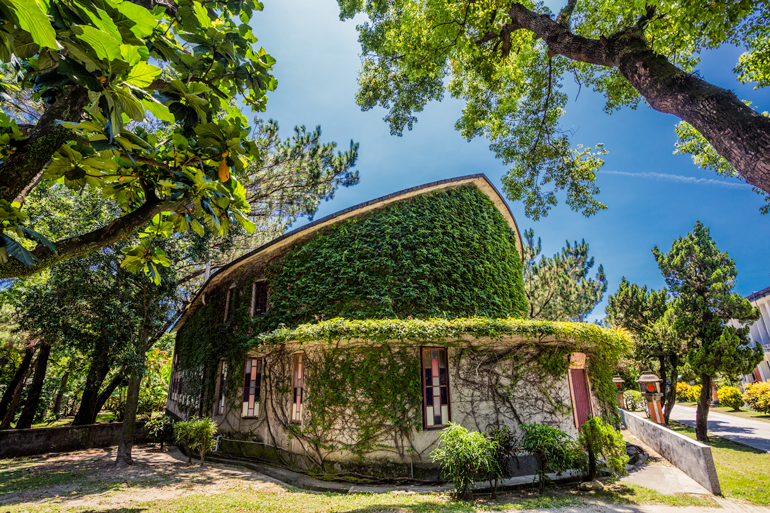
(563, 18)
(91, 241)
(738, 133)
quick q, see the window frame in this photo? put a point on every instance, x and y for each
(424, 388)
(254, 399)
(254, 297)
(578, 362)
(221, 389)
(297, 410)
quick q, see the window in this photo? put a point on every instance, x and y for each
(230, 303)
(258, 298)
(297, 381)
(222, 378)
(435, 387)
(252, 378)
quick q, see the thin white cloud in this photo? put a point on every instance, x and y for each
(680, 179)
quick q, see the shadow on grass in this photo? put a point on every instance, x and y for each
(63, 477)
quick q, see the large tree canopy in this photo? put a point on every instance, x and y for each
(508, 61)
(100, 70)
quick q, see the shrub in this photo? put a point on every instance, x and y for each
(634, 400)
(757, 396)
(693, 393)
(197, 435)
(601, 440)
(554, 450)
(160, 430)
(508, 446)
(465, 455)
(681, 391)
(730, 397)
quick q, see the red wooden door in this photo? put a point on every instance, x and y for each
(580, 393)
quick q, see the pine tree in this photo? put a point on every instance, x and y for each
(646, 315)
(558, 288)
(701, 278)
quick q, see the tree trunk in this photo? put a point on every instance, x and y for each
(671, 398)
(18, 377)
(33, 396)
(591, 464)
(736, 131)
(33, 154)
(14, 402)
(702, 414)
(108, 390)
(60, 393)
(100, 366)
(129, 419)
(144, 343)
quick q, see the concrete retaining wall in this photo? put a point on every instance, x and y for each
(27, 442)
(690, 456)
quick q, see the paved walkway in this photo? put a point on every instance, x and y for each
(753, 433)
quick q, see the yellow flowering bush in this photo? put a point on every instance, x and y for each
(757, 396)
(730, 397)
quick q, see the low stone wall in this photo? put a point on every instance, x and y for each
(690, 456)
(28, 442)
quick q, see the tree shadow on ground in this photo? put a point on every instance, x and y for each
(80, 479)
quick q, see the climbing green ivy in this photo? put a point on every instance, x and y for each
(445, 254)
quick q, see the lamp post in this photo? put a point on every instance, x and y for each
(619, 384)
(649, 384)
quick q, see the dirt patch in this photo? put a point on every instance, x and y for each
(89, 478)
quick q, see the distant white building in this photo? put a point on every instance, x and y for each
(760, 335)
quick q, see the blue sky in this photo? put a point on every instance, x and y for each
(653, 196)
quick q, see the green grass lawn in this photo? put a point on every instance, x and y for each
(306, 502)
(91, 483)
(744, 412)
(299, 501)
(744, 473)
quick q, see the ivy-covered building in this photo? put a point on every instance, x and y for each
(347, 344)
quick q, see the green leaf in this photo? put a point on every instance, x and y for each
(129, 104)
(158, 110)
(197, 227)
(138, 20)
(243, 221)
(132, 54)
(18, 251)
(142, 74)
(105, 46)
(34, 21)
(132, 263)
(202, 14)
(33, 235)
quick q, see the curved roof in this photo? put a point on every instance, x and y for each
(307, 231)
